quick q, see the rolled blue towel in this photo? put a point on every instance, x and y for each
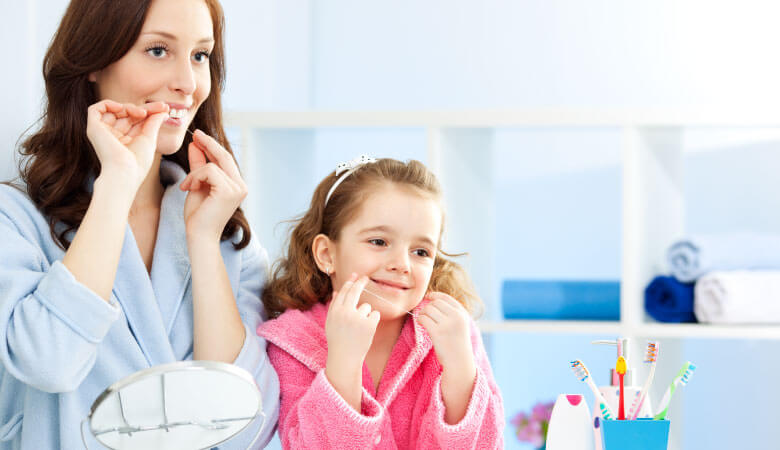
(561, 299)
(669, 300)
(694, 256)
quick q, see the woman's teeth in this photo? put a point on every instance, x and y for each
(177, 113)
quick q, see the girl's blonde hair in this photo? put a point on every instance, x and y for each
(298, 283)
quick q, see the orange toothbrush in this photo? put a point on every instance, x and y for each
(620, 368)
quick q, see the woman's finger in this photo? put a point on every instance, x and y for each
(196, 157)
(216, 153)
(209, 174)
(155, 107)
(152, 125)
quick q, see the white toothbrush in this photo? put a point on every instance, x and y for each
(581, 372)
(651, 357)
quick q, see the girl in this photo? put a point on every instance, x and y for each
(375, 347)
(125, 247)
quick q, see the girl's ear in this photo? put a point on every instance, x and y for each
(322, 249)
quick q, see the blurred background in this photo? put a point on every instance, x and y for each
(533, 114)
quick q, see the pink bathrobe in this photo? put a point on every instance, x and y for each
(406, 412)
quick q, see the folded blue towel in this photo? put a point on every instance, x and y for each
(559, 299)
(668, 300)
(694, 256)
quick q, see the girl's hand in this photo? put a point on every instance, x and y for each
(349, 328)
(215, 187)
(448, 324)
(125, 137)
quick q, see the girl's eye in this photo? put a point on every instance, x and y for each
(422, 252)
(158, 51)
(379, 242)
(201, 57)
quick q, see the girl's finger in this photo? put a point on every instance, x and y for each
(426, 322)
(217, 154)
(364, 309)
(355, 291)
(446, 298)
(339, 300)
(434, 314)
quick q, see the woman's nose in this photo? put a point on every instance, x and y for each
(183, 79)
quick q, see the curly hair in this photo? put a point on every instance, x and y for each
(58, 159)
(297, 283)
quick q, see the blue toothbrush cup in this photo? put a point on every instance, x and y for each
(640, 434)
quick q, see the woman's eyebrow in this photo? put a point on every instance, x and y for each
(205, 40)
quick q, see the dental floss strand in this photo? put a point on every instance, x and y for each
(386, 301)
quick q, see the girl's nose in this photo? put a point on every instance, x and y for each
(399, 263)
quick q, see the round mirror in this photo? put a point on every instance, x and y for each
(182, 405)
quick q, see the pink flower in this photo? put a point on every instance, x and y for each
(532, 428)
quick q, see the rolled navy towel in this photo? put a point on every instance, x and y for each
(669, 300)
(692, 257)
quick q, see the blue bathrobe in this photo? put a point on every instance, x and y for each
(61, 345)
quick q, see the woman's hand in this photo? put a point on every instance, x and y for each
(215, 187)
(350, 330)
(447, 322)
(125, 136)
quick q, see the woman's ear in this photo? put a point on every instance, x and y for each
(322, 249)
(92, 77)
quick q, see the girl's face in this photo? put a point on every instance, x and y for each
(393, 241)
(168, 63)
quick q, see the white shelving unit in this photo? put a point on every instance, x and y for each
(653, 206)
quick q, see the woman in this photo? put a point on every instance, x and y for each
(125, 247)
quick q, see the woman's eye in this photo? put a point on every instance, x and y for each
(157, 52)
(379, 242)
(201, 57)
(422, 252)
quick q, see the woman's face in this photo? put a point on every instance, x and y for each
(168, 63)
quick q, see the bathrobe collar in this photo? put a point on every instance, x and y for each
(151, 305)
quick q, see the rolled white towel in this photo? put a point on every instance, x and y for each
(738, 297)
(692, 257)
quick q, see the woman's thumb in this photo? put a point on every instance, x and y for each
(152, 125)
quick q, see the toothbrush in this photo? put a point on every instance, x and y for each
(620, 368)
(682, 379)
(582, 373)
(651, 357)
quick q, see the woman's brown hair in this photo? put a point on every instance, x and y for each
(297, 283)
(58, 159)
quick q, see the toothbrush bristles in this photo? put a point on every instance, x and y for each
(652, 352)
(580, 371)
